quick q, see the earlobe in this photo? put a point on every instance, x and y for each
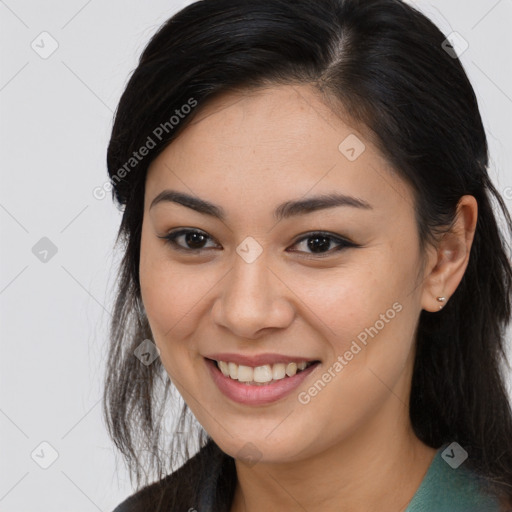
(442, 302)
(433, 303)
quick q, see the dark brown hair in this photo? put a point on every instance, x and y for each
(385, 63)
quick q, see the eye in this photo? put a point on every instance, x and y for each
(319, 244)
(193, 239)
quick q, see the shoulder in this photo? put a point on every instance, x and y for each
(450, 486)
(183, 489)
(158, 495)
(147, 498)
(181, 486)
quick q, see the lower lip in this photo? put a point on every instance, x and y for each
(256, 395)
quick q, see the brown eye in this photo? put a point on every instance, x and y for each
(191, 240)
(320, 243)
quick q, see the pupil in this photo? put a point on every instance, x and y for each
(194, 240)
(323, 243)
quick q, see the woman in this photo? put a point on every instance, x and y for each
(312, 260)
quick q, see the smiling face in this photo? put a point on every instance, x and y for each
(336, 282)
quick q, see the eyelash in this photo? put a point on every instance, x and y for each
(171, 237)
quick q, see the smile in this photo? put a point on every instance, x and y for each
(258, 385)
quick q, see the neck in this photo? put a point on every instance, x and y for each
(377, 468)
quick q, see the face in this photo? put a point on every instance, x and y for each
(253, 279)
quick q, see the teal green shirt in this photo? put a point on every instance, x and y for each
(448, 489)
(443, 489)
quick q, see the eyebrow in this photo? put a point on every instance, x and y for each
(283, 211)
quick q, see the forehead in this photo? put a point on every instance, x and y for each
(274, 143)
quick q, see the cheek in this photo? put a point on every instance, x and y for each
(358, 299)
(169, 291)
(368, 316)
(168, 296)
(177, 298)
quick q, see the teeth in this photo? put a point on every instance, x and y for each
(263, 373)
(260, 374)
(233, 370)
(245, 373)
(291, 369)
(278, 371)
(224, 368)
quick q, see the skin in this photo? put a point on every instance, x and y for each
(247, 152)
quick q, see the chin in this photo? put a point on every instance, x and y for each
(263, 448)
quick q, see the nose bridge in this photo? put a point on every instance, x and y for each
(252, 298)
(249, 285)
(250, 280)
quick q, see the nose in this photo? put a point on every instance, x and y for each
(253, 300)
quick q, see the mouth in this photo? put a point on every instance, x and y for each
(261, 384)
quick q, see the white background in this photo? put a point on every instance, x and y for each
(55, 120)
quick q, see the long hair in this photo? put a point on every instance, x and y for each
(386, 65)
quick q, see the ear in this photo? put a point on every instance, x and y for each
(448, 261)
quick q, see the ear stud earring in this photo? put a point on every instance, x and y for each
(442, 300)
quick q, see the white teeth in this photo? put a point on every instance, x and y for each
(263, 373)
(233, 370)
(279, 371)
(245, 373)
(224, 368)
(291, 369)
(260, 374)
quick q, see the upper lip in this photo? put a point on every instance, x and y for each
(257, 360)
